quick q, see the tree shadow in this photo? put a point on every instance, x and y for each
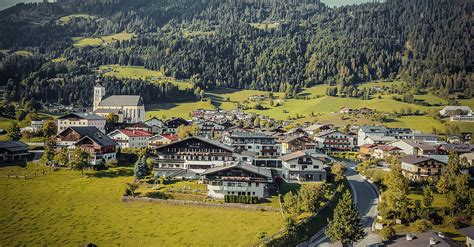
(113, 173)
(20, 163)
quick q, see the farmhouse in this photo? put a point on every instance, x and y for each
(419, 167)
(454, 110)
(194, 153)
(99, 146)
(81, 120)
(303, 166)
(130, 138)
(13, 150)
(129, 108)
(237, 179)
(71, 135)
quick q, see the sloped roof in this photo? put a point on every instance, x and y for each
(414, 159)
(122, 100)
(13, 146)
(203, 139)
(99, 138)
(244, 166)
(82, 130)
(468, 232)
(373, 129)
(82, 115)
(134, 133)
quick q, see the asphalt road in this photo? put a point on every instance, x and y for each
(366, 199)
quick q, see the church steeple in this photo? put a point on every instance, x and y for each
(99, 92)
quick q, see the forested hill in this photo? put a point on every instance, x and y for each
(274, 45)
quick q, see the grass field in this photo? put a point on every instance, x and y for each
(23, 53)
(67, 208)
(138, 72)
(169, 110)
(107, 39)
(265, 26)
(66, 19)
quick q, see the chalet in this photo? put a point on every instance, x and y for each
(384, 151)
(366, 150)
(194, 153)
(126, 138)
(100, 147)
(294, 143)
(411, 147)
(157, 126)
(81, 120)
(380, 135)
(366, 131)
(446, 148)
(379, 140)
(209, 128)
(303, 166)
(173, 124)
(334, 140)
(13, 150)
(316, 128)
(160, 140)
(417, 167)
(237, 178)
(71, 135)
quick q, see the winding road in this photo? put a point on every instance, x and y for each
(365, 196)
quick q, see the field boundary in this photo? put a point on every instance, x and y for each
(200, 203)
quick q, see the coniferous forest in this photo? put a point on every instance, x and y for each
(272, 45)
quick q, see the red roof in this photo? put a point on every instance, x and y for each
(170, 137)
(136, 133)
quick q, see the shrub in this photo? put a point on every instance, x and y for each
(387, 233)
(111, 163)
(421, 225)
(241, 199)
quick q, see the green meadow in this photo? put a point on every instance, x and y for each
(67, 19)
(107, 39)
(138, 72)
(65, 208)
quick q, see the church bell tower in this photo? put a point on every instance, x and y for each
(99, 92)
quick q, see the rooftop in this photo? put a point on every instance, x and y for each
(239, 134)
(244, 166)
(122, 100)
(429, 238)
(82, 115)
(134, 133)
(414, 159)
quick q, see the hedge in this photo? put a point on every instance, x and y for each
(241, 199)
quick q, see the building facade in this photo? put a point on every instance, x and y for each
(334, 140)
(129, 108)
(126, 138)
(81, 120)
(303, 166)
(418, 167)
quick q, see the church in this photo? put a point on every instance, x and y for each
(129, 108)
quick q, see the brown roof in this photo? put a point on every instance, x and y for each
(423, 239)
(414, 159)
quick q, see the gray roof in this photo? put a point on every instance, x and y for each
(244, 166)
(419, 144)
(250, 135)
(423, 239)
(82, 115)
(468, 232)
(93, 133)
(116, 111)
(373, 129)
(13, 146)
(122, 100)
(203, 139)
(101, 139)
(299, 154)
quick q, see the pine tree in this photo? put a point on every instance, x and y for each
(13, 132)
(141, 168)
(345, 225)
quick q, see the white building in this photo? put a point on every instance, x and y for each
(34, 126)
(304, 166)
(129, 108)
(126, 138)
(81, 120)
(334, 140)
(455, 110)
(366, 131)
(239, 179)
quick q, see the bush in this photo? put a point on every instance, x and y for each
(387, 233)
(111, 163)
(421, 225)
(241, 199)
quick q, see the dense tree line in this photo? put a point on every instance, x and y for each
(299, 43)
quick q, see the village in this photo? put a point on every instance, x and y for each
(237, 157)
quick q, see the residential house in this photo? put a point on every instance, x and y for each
(73, 134)
(462, 148)
(380, 135)
(100, 147)
(238, 178)
(412, 147)
(34, 126)
(157, 126)
(210, 129)
(334, 140)
(469, 233)
(294, 143)
(129, 108)
(193, 153)
(429, 238)
(462, 118)
(379, 140)
(455, 110)
(80, 119)
(173, 124)
(316, 128)
(366, 150)
(126, 138)
(266, 148)
(13, 150)
(366, 131)
(303, 166)
(384, 151)
(417, 167)
(429, 138)
(469, 157)
(160, 140)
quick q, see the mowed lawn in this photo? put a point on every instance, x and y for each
(67, 208)
(138, 72)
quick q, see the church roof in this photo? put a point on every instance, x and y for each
(122, 100)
